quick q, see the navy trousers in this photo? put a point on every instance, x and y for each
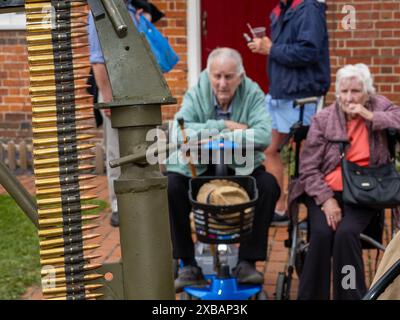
(343, 246)
(254, 248)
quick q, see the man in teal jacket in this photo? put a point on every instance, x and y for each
(224, 104)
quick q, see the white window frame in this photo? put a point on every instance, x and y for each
(13, 21)
(193, 41)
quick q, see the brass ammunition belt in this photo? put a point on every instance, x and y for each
(58, 65)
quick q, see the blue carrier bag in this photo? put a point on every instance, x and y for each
(162, 51)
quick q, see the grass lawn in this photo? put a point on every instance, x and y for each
(19, 249)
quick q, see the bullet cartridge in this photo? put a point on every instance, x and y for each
(66, 240)
(68, 260)
(56, 78)
(62, 160)
(73, 269)
(65, 139)
(58, 58)
(54, 37)
(70, 249)
(75, 279)
(49, 1)
(91, 296)
(60, 119)
(49, 6)
(72, 289)
(56, 232)
(56, 89)
(63, 170)
(64, 190)
(59, 130)
(62, 180)
(51, 26)
(56, 47)
(69, 220)
(61, 150)
(59, 16)
(51, 100)
(60, 109)
(51, 69)
(65, 200)
(58, 212)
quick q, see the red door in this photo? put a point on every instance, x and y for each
(223, 25)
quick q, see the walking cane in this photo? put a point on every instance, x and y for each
(181, 123)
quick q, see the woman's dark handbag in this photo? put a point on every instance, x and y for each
(374, 187)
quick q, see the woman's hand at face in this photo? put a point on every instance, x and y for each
(332, 212)
(356, 109)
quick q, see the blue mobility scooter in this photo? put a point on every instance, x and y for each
(221, 227)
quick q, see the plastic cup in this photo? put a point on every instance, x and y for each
(259, 32)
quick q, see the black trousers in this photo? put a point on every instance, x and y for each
(343, 246)
(253, 248)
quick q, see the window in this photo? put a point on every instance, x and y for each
(12, 21)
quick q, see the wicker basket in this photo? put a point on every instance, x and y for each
(226, 223)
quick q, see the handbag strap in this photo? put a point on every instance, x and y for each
(342, 150)
(393, 137)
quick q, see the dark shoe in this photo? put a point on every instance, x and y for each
(114, 221)
(189, 276)
(280, 220)
(246, 273)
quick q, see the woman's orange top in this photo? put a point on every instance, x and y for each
(358, 152)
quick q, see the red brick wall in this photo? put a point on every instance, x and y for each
(173, 26)
(14, 78)
(375, 41)
(15, 118)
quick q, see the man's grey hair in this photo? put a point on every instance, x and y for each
(359, 71)
(226, 53)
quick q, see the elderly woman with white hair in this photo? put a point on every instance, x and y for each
(360, 117)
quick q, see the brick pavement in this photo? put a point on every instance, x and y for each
(110, 248)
